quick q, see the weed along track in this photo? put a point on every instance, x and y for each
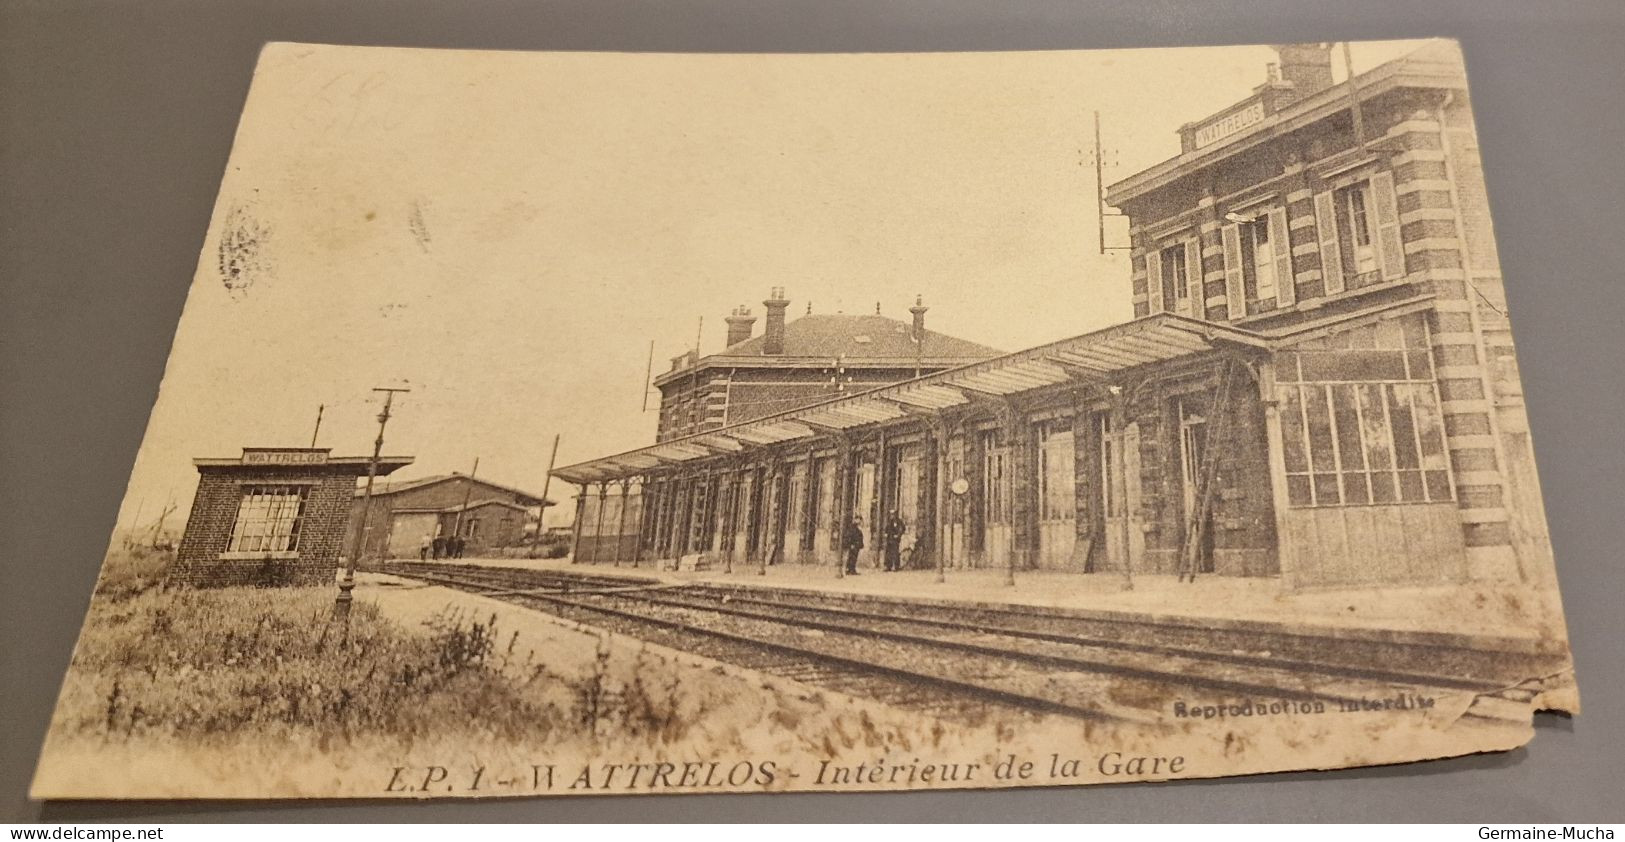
(960, 663)
(898, 678)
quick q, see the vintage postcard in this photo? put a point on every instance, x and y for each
(574, 423)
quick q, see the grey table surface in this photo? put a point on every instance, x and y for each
(116, 119)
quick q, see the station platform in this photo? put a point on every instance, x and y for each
(1506, 617)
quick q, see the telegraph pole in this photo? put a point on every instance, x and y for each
(547, 478)
(468, 491)
(1354, 96)
(694, 414)
(1100, 189)
(648, 374)
(1100, 192)
(341, 603)
(313, 433)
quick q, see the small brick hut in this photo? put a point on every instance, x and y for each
(271, 516)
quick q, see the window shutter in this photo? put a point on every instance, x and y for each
(1153, 279)
(1193, 277)
(1386, 209)
(1286, 286)
(1331, 260)
(1235, 293)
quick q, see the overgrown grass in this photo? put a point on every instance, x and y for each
(198, 663)
(218, 664)
(254, 692)
(131, 570)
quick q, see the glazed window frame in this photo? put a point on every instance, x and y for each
(1175, 278)
(1256, 265)
(1363, 427)
(1356, 234)
(995, 479)
(270, 519)
(1057, 478)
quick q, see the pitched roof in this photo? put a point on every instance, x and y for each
(832, 334)
(382, 488)
(459, 507)
(872, 341)
(1096, 358)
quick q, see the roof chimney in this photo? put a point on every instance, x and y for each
(773, 338)
(740, 322)
(1308, 67)
(918, 310)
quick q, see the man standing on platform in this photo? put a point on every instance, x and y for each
(851, 542)
(893, 533)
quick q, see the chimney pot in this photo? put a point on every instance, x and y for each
(740, 324)
(918, 310)
(1308, 67)
(773, 337)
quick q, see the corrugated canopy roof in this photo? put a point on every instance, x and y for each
(1093, 356)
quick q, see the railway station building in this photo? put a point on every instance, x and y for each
(797, 362)
(1318, 383)
(271, 516)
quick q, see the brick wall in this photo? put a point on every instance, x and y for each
(1243, 519)
(1426, 142)
(214, 512)
(731, 396)
(1243, 523)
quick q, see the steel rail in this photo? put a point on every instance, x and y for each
(1288, 664)
(1103, 667)
(979, 691)
(1389, 676)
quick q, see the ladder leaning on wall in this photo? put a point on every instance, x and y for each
(1197, 520)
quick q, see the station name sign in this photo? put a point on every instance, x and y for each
(1229, 124)
(284, 457)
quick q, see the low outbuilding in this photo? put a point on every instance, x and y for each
(406, 514)
(271, 516)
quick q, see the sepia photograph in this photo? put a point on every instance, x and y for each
(588, 423)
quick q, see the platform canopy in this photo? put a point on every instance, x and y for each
(1103, 357)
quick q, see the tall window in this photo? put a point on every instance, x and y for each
(1175, 278)
(819, 475)
(1258, 269)
(1259, 257)
(268, 519)
(1354, 208)
(1111, 501)
(1056, 471)
(994, 482)
(1361, 425)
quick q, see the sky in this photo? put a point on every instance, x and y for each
(505, 233)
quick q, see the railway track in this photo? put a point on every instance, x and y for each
(963, 664)
(894, 684)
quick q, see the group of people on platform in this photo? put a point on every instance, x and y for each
(892, 542)
(442, 546)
